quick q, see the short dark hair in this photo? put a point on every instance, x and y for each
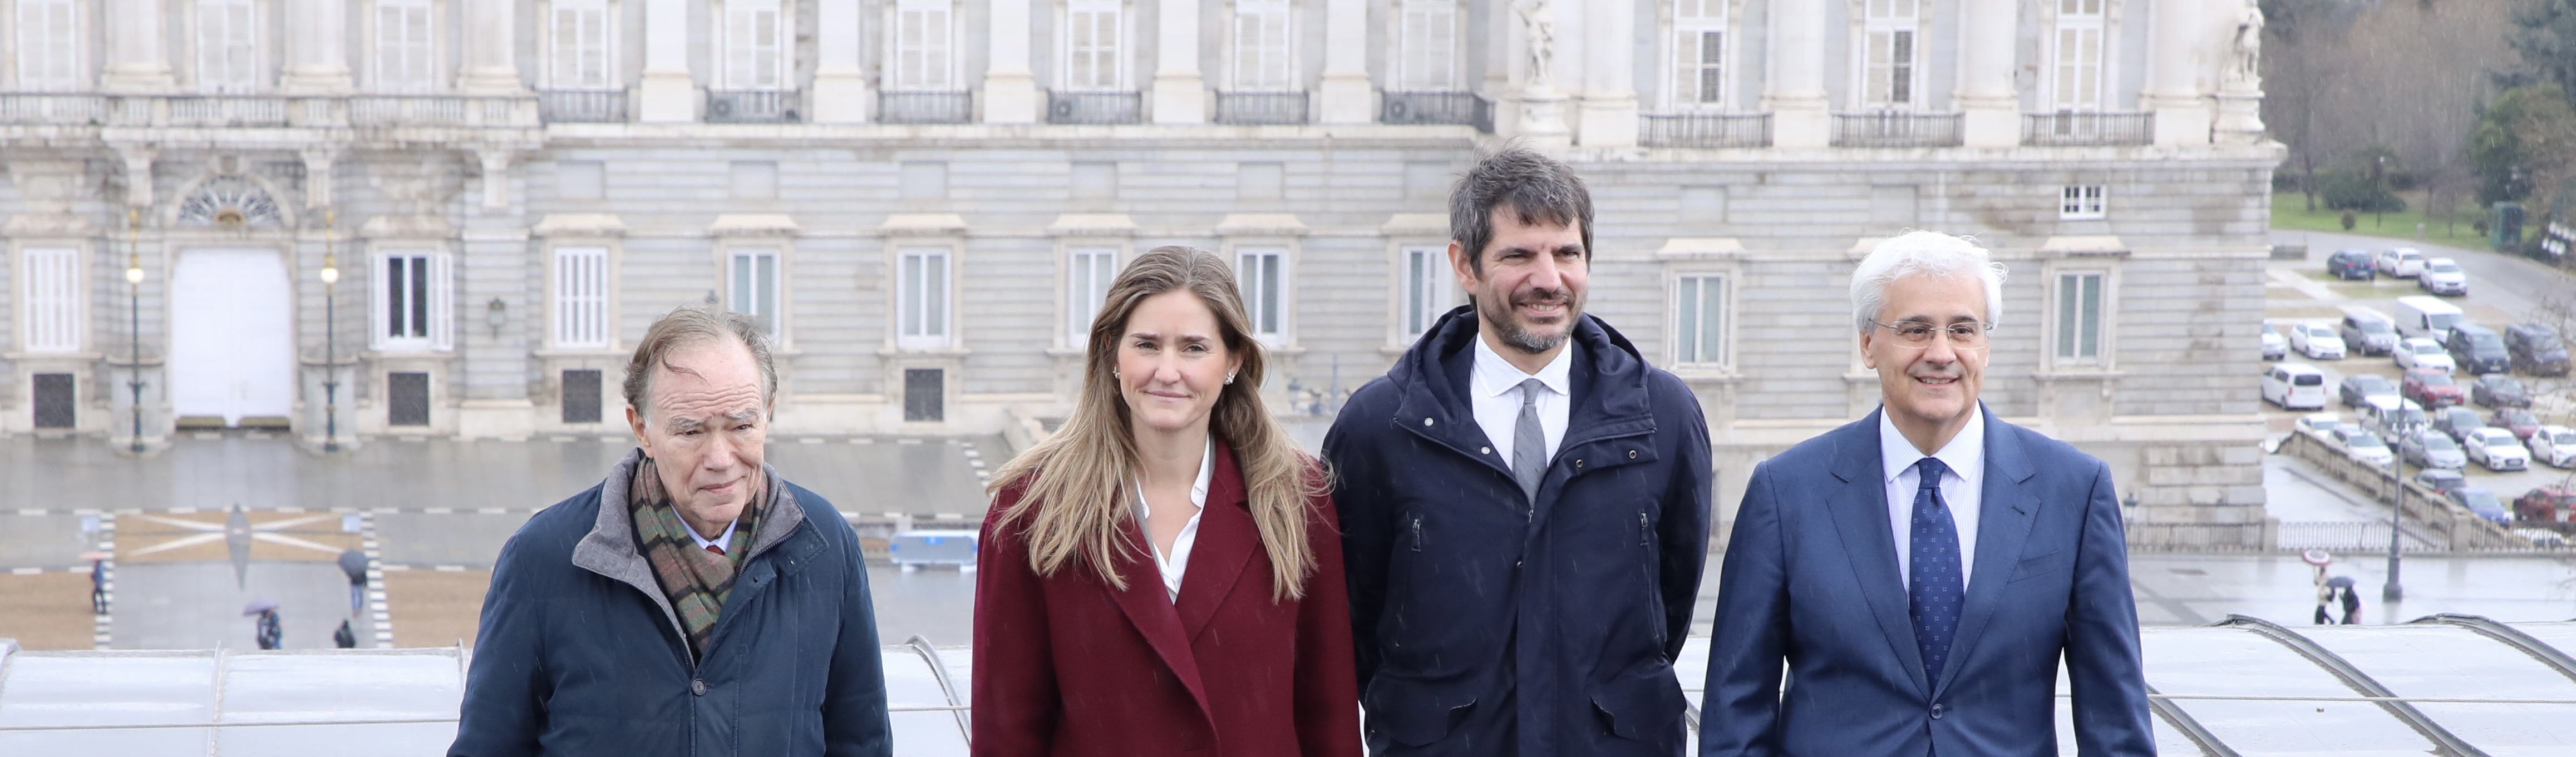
(1538, 188)
(688, 326)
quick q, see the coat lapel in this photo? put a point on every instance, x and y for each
(1151, 611)
(1860, 518)
(1228, 542)
(2004, 518)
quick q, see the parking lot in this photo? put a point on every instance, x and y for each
(2502, 290)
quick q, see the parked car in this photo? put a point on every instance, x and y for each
(2431, 388)
(2275, 346)
(2498, 390)
(2366, 331)
(2547, 504)
(2457, 422)
(2392, 418)
(2441, 481)
(2433, 450)
(2519, 421)
(2401, 262)
(2357, 388)
(2443, 276)
(2420, 352)
(2419, 315)
(2362, 445)
(2351, 265)
(2496, 449)
(2554, 446)
(2318, 423)
(2316, 340)
(2477, 349)
(2536, 349)
(2295, 386)
(2480, 501)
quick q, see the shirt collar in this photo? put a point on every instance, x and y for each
(1198, 488)
(1494, 375)
(1965, 454)
(722, 540)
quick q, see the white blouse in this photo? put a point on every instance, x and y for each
(1171, 565)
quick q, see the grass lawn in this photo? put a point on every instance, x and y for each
(2290, 211)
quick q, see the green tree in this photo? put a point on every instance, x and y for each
(2526, 138)
(2545, 35)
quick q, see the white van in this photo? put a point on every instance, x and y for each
(2295, 386)
(2420, 315)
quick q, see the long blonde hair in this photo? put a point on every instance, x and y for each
(1077, 482)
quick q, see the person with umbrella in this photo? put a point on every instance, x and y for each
(270, 635)
(97, 581)
(354, 563)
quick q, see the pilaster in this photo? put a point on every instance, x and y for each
(1010, 89)
(1347, 96)
(1180, 91)
(841, 93)
(669, 91)
(1795, 93)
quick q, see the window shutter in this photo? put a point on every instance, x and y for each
(442, 303)
(581, 297)
(48, 45)
(53, 301)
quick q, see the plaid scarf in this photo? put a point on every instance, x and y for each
(697, 581)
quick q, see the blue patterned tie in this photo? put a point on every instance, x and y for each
(1932, 565)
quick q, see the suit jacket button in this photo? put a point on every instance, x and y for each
(698, 686)
(1936, 710)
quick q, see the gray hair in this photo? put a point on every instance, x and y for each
(1922, 253)
(689, 326)
(1538, 188)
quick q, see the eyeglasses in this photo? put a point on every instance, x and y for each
(1918, 335)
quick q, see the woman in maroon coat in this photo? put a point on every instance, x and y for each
(1163, 575)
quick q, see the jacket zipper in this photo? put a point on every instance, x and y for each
(1645, 531)
(1417, 533)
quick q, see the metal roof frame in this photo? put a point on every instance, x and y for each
(2442, 738)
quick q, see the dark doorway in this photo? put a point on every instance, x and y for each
(922, 388)
(56, 400)
(581, 396)
(407, 399)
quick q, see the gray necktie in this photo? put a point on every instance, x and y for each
(1529, 444)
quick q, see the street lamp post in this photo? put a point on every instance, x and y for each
(2393, 591)
(134, 317)
(330, 334)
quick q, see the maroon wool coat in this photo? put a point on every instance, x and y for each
(1067, 665)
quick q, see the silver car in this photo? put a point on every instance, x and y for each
(2433, 450)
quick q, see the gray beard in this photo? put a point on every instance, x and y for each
(1509, 330)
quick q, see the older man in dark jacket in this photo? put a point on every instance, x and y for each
(1524, 503)
(693, 603)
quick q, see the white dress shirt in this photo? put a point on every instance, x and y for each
(1494, 392)
(1171, 565)
(723, 540)
(1962, 489)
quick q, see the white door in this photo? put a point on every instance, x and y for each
(232, 336)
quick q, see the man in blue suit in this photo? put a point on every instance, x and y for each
(1921, 572)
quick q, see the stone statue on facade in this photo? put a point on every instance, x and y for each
(1539, 29)
(2245, 59)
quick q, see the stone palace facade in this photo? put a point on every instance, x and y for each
(924, 200)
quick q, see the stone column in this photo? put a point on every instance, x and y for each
(669, 91)
(139, 60)
(1795, 93)
(1986, 94)
(1010, 89)
(1608, 115)
(491, 50)
(1180, 93)
(841, 93)
(317, 46)
(2174, 91)
(1345, 91)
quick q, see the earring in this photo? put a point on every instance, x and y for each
(1229, 378)
(1113, 373)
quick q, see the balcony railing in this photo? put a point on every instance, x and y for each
(51, 109)
(439, 110)
(219, 110)
(1896, 130)
(894, 107)
(2062, 129)
(1463, 108)
(1261, 107)
(1095, 107)
(751, 106)
(582, 105)
(1705, 130)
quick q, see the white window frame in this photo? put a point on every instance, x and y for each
(1690, 343)
(2069, 64)
(921, 46)
(1889, 27)
(1691, 61)
(228, 45)
(581, 45)
(922, 272)
(1426, 286)
(1093, 17)
(1264, 46)
(745, 293)
(405, 54)
(739, 61)
(1269, 297)
(2082, 202)
(437, 304)
(1426, 41)
(2066, 339)
(1089, 269)
(49, 50)
(50, 310)
(580, 287)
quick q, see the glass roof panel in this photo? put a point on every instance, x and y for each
(909, 683)
(2452, 662)
(102, 688)
(2560, 635)
(349, 685)
(2236, 662)
(2169, 742)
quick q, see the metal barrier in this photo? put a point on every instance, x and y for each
(1705, 130)
(751, 106)
(925, 107)
(582, 105)
(1896, 129)
(1461, 108)
(1095, 107)
(2077, 129)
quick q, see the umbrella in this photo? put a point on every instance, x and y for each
(258, 606)
(354, 563)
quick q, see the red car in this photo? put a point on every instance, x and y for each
(2431, 388)
(2547, 504)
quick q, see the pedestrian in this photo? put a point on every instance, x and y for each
(694, 602)
(1162, 574)
(1524, 502)
(1921, 572)
(345, 638)
(98, 587)
(271, 635)
(353, 564)
(2339, 591)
